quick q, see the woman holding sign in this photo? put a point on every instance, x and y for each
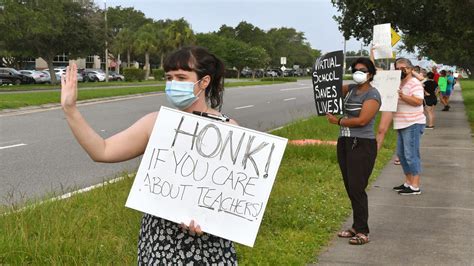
(195, 81)
(356, 146)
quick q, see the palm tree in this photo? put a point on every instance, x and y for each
(146, 43)
(179, 33)
(124, 42)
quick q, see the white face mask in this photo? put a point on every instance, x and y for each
(359, 77)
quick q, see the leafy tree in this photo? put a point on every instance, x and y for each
(122, 24)
(45, 28)
(179, 33)
(442, 30)
(145, 43)
(124, 42)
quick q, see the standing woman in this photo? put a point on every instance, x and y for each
(431, 89)
(356, 146)
(443, 85)
(195, 81)
(409, 121)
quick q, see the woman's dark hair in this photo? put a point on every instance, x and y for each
(367, 63)
(443, 73)
(430, 75)
(201, 61)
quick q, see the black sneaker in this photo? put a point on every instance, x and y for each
(409, 191)
(399, 188)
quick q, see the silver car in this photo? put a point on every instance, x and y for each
(38, 76)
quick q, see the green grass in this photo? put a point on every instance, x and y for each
(307, 205)
(468, 95)
(38, 97)
(17, 100)
(24, 87)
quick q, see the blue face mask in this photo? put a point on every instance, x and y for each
(181, 93)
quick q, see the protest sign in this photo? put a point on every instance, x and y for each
(387, 82)
(327, 83)
(215, 173)
(382, 40)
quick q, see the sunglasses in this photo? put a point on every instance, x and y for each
(364, 70)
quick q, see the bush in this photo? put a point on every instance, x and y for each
(279, 79)
(134, 74)
(158, 74)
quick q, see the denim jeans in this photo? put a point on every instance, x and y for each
(408, 148)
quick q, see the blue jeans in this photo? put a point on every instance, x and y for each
(408, 148)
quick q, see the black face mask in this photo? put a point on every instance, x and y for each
(404, 75)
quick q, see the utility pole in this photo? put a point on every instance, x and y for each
(344, 65)
(106, 44)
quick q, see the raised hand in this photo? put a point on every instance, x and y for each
(69, 87)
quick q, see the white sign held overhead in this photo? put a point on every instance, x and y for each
(216, 173)
(382, 41)
(387, 82)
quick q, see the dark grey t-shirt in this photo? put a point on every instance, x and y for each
(353, 104)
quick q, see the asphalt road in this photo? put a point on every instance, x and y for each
(39, 154)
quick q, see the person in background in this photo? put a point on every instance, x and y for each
(434, 69)
(385, 118)
(356, 145)
(443, 85)
(449, 87)
(195, 80)
(431, 90)
(409, 120)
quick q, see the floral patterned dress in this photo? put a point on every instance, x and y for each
(163, 242)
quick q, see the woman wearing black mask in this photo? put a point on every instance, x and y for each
(356, 146)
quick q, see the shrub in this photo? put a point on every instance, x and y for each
(134, 74)
(158, 74)
(279, 79)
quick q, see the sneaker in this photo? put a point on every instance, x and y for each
(429, 127)
(409, 191)
(400, 188)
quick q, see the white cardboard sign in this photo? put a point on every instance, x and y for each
(382, 40)
(216, 173)
(387, 82)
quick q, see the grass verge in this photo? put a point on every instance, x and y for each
(34, 98)
(307, 205)
(468, 96)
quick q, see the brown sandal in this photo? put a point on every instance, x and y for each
(346, 233)
(359, 239)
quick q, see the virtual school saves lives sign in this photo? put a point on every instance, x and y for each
(216, 173)
(327, 83)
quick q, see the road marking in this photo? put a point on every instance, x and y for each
(289, 99)
(243, 107)
(294, 89)
(12, 146)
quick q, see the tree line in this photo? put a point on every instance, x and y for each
(77, 28)
(442, 30)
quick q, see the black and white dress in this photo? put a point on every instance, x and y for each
(163, 242)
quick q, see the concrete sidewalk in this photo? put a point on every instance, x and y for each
(434, 228)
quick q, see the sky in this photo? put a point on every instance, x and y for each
(312, 17)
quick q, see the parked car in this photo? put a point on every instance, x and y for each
(48, 76)
(94, 75)
(273, 73)
(115, 76)
(38, 76)
(12, 76)
(289, 73)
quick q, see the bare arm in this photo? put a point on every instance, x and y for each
(385, 121)
(123, 146)
(368, 111)
(411, 100)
